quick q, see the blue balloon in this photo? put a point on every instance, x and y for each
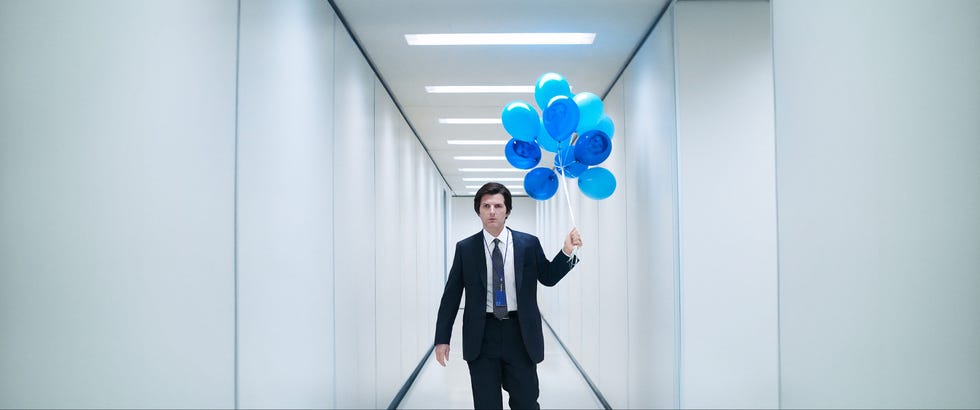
(521, 154)
(546, 141)
(541, 183)
(548, 86)
(550, 144)
(572, 170)
(560, 118)
(520, 120)
(590, 110)
(606, 125)
(597, 183)
(565, 156)
(593, 147)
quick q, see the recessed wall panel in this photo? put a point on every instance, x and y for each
(727, 207)
(877, 160)
(610, 374)
(388, 130)
(649, 134)
(354, 226)
(117, 150)
(285, 201)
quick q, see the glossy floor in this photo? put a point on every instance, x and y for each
(562, 386)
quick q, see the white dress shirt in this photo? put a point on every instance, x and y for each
(507, 251)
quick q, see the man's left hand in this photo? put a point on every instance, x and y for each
(572, 241)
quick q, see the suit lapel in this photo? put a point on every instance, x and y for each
(518, 260)
(479, 248)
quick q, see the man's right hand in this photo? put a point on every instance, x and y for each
(442, 354)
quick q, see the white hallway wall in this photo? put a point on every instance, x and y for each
(644, 312)
(117, 204)
(878, 163)
(119, 198)
(874, 165)
(604, 309)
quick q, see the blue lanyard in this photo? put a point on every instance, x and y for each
(506, 252)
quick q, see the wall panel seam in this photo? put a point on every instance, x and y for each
(238, 53)
(678, 285)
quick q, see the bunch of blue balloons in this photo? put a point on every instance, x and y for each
(573, 126)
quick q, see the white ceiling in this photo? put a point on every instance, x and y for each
(379, 27)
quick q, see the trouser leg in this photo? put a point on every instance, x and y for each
(486, 370)
(520, 373)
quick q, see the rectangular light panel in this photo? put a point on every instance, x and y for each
(480, 157)
(511, 192)
(459, 89)
(495, 179)
(481, 39)
(491, 170)
(470, 121)
(476, 142)
(511, 187)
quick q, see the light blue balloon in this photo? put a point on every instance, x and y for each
(522, 154)
(520, 120)
(597, 183)
(606, 125)
(549, 86)
(590, 110)
(541, 183)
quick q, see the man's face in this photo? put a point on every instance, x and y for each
(493, 212)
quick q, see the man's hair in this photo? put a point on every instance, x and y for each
(492, 188)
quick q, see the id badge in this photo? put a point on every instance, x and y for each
(499, 298)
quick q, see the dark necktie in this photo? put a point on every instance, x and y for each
(498, 280)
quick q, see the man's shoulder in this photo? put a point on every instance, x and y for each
(475, 239)
(523, 236)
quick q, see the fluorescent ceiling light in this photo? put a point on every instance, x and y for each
(517, 193)
(495, 179)
(476, 142)
(479, 39)
(470, 121)
(520, 187)
(447, 89)
(491, 170)
(480, 157)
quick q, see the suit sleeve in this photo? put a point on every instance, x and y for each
(550, 272)
(451, 296)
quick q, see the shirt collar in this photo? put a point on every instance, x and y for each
(488, 238)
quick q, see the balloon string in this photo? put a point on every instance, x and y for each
(564, 184)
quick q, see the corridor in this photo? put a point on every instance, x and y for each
(256, 204)
(562, 385)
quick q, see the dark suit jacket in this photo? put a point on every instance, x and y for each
(469, 273)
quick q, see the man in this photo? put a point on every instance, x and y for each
(499, 269)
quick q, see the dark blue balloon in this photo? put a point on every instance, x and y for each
(545, 140)
(561, 117)
(592, 147)
(572, 170)
(597, 183)
(541, 183)
(550, 144)
(565, 156)
(521, 154)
